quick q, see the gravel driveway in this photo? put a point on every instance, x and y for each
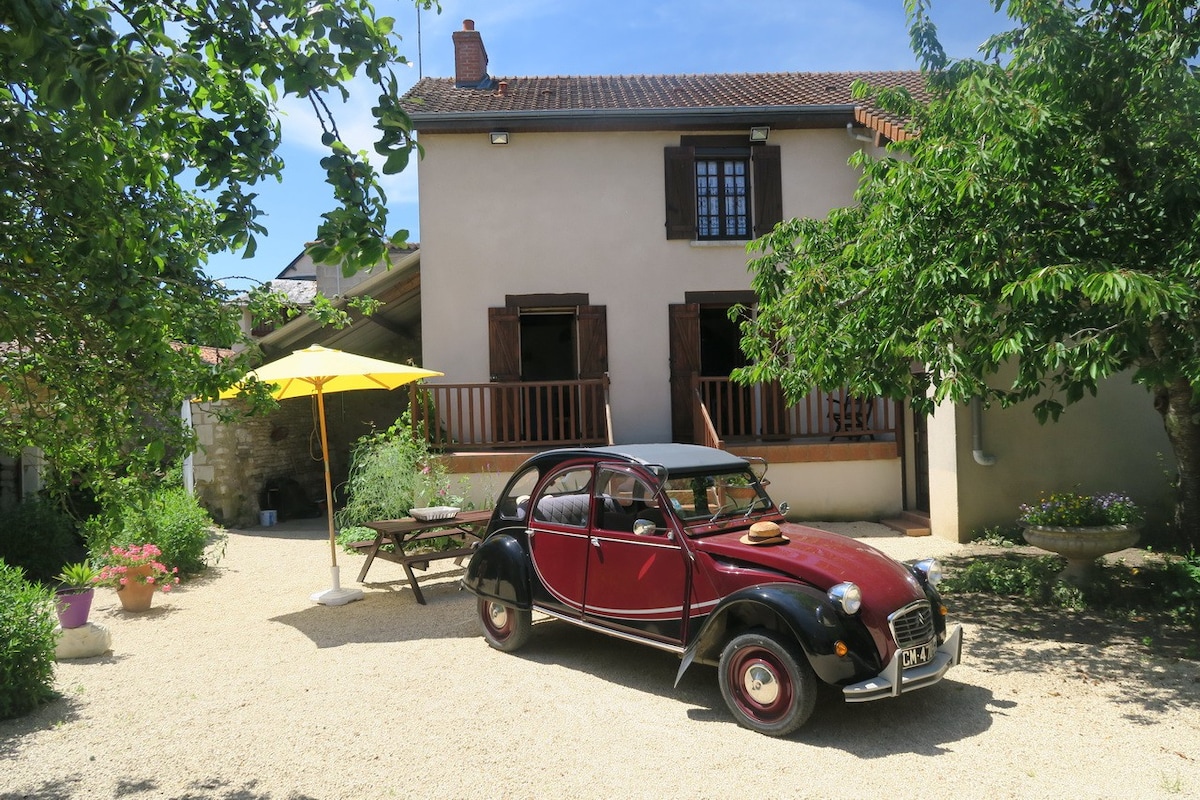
(238, 687)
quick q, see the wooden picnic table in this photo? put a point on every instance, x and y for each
(406, 531)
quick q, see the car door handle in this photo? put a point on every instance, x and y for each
(595, 542)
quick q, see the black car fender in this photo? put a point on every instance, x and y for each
(797, 610)
(499, 570)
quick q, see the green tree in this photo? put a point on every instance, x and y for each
(132, 135)
(1045, 218)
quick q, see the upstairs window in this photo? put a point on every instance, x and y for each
(718, 187)
(722, 198)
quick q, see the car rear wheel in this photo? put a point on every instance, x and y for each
(504, 627)
(767, 683)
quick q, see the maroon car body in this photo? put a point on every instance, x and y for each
(653, 543)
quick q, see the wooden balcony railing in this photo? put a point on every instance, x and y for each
(483, 416)
(730, 412)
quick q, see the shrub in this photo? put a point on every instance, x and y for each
(38, 536)
(170, 518)
(1012, 575)
(1171, 589)
(28, 644)
(392, 472)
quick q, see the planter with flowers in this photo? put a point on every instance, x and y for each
(136, 573)
(1081, 527)
(73, 598)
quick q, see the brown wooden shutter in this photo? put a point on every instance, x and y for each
(593, 341)
(684, 333)
(504, 344)
(680, 185)
(768, 188)
(592, 329)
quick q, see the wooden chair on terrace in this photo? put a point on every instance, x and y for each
(851, 417)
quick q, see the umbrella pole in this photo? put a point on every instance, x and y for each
(328, 478)
(335, 595)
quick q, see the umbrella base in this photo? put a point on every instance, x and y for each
(336, 595)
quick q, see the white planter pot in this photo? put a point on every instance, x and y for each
(1081, 546)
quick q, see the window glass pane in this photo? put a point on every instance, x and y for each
(722, 210)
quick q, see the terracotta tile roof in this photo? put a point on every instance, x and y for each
(208, 354)
(431, 99)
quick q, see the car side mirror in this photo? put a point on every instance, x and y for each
(644, 527)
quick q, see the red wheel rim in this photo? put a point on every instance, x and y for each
(760, 684)
(498, 619)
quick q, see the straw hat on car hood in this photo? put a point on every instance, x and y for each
(763, 533)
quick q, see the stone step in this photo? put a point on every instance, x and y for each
(910, 523)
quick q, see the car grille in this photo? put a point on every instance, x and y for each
(913, 624)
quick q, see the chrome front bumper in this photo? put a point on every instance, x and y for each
(894, 680)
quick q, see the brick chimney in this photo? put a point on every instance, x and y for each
(470, 58)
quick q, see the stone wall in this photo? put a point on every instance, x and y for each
(238, 460)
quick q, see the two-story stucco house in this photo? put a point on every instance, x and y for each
(583, 239)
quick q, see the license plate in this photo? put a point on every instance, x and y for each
(916, 656)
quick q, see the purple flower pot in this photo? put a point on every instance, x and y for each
(73, 607)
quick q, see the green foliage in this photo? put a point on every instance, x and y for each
(1171, 589)
(135, 134)
(27, 643)
(1044, 219)
(170, 518)
(1032, 578)
(1180, 586)
(350, 534)
(39, 536)
(79, 575)
(997, 536)
(392, 472)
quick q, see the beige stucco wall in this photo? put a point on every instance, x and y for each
(868, 489)
(584, 212)
(1113, 442)
(838, 490)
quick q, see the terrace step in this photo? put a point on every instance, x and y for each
(910, 523)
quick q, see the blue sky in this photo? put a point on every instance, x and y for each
(594, 37)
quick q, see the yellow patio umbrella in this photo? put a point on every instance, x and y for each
(319, 371)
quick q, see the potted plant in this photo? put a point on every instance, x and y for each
(136, 573)
(74, 594)
(740, 487)
(1081, 527)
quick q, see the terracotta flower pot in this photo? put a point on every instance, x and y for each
(136, 595)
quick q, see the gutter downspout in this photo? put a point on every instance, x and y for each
(981, 458)
(189, 478)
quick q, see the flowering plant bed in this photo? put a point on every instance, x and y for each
(1074, 510)
(138, 564)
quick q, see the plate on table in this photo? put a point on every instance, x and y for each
(434, 513)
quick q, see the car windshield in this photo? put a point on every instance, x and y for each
(703, 498)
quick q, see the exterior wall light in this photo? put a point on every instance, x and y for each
(498, 137)
(759, 133)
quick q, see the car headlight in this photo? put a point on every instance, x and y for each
(931, 568)
(847, 596)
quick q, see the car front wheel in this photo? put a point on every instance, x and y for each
(767, 683)
(504, 627)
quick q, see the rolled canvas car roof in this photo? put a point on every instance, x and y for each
(675, 457)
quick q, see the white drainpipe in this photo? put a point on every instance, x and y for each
(189, 479)
(981, 457)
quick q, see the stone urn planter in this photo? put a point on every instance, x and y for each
(1081, 546)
